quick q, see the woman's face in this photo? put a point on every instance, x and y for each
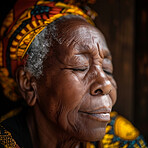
(77, 89)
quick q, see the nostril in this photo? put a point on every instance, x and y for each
(103, 88)
(98, 91)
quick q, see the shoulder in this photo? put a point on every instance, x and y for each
(121, 133)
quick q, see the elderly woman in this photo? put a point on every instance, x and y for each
(63, 70)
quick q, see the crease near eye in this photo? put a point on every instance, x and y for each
(77, 69)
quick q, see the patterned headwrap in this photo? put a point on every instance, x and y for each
(27, 19)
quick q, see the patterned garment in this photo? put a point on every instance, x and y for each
(6, 140)
(27, 19)
(120, 133)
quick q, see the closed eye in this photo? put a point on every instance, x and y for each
(77, 69)
(108, 73)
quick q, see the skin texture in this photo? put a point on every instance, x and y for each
(71, 102)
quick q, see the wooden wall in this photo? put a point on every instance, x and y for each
(141, 67)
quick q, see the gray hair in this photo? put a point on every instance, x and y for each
(42, 44)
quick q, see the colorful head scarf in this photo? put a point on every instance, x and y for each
(27, 19)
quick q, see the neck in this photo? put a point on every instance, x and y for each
(44, 133)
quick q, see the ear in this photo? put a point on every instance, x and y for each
(27, 86)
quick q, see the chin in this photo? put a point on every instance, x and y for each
(95, 135)
(88, 135)
(87, 129)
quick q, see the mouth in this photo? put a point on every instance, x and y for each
(102, 114)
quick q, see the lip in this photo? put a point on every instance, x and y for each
(102, 114)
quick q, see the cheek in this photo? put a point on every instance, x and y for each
(67, 97)
(113, 96)
(69, 89)
(113, 93)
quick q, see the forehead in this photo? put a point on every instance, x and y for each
(77, 36)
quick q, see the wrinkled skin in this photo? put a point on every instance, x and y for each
(76, 93)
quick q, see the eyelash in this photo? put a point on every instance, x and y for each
(108, 73)
(84, 69)
(77, 69)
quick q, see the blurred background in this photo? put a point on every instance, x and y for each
(125, 26)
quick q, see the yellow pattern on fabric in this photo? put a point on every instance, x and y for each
(113, 114)
(20, 47)
(107, 139)
(8, 20)
(26, 15)
(90, 145)
(120, 133)
(10, 114)
(108, 128)
(1, 54)
(6, 138)
(124, 129)
(27, 40)
(136, 146)
(8, 85)
(113, 145)
(142, 143)
(125, 146)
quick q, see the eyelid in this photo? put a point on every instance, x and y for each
(77, 68)
(108, 72)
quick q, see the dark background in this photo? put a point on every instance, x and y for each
(125, 26)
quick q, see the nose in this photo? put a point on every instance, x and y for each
(101, 85)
